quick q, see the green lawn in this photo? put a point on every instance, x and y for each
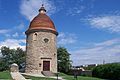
(5, 75)
(68, 77)
(37, 78)
(80, 78)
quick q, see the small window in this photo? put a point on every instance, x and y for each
(46, 40)
(35, 36)
(39, 64)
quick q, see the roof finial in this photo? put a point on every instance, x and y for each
(42, 5)
(42, 9)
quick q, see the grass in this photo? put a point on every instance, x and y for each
(37, 78)
(5, 75)
(80, 78)
(69, 77)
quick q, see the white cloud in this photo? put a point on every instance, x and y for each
(109, 23)
(75, 10)
(15, 34)
(66, 38)
(107, 50)
(20, 26)
(108, 43)
(13, 43)
(9, 33)
(4, 31)
(79, 6)
(29, 8)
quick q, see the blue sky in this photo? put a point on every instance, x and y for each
(89, 29)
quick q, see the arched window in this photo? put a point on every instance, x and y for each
(35, 36)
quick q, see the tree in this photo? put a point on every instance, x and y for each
(10, 56)
(64, 62)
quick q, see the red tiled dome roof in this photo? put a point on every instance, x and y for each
(42, 22)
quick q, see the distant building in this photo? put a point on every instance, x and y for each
(92, 65)
(41, 44)
(81, 66)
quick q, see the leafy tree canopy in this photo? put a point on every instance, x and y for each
(64, 62)
(10, 56)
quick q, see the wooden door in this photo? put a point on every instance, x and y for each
(46, 65)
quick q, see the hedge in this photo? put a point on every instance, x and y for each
(107, 71)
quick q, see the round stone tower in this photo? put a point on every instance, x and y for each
(41, 44)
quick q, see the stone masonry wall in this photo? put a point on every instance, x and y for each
(38, 51)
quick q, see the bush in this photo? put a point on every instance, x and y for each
(107, 71)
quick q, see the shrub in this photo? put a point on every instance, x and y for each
(107, 71)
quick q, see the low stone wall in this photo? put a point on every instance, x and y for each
(80, 72)
(86, 73)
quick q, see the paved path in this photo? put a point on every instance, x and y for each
(59, 78)
(17, 76)
(36, 75)
(40, 75)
